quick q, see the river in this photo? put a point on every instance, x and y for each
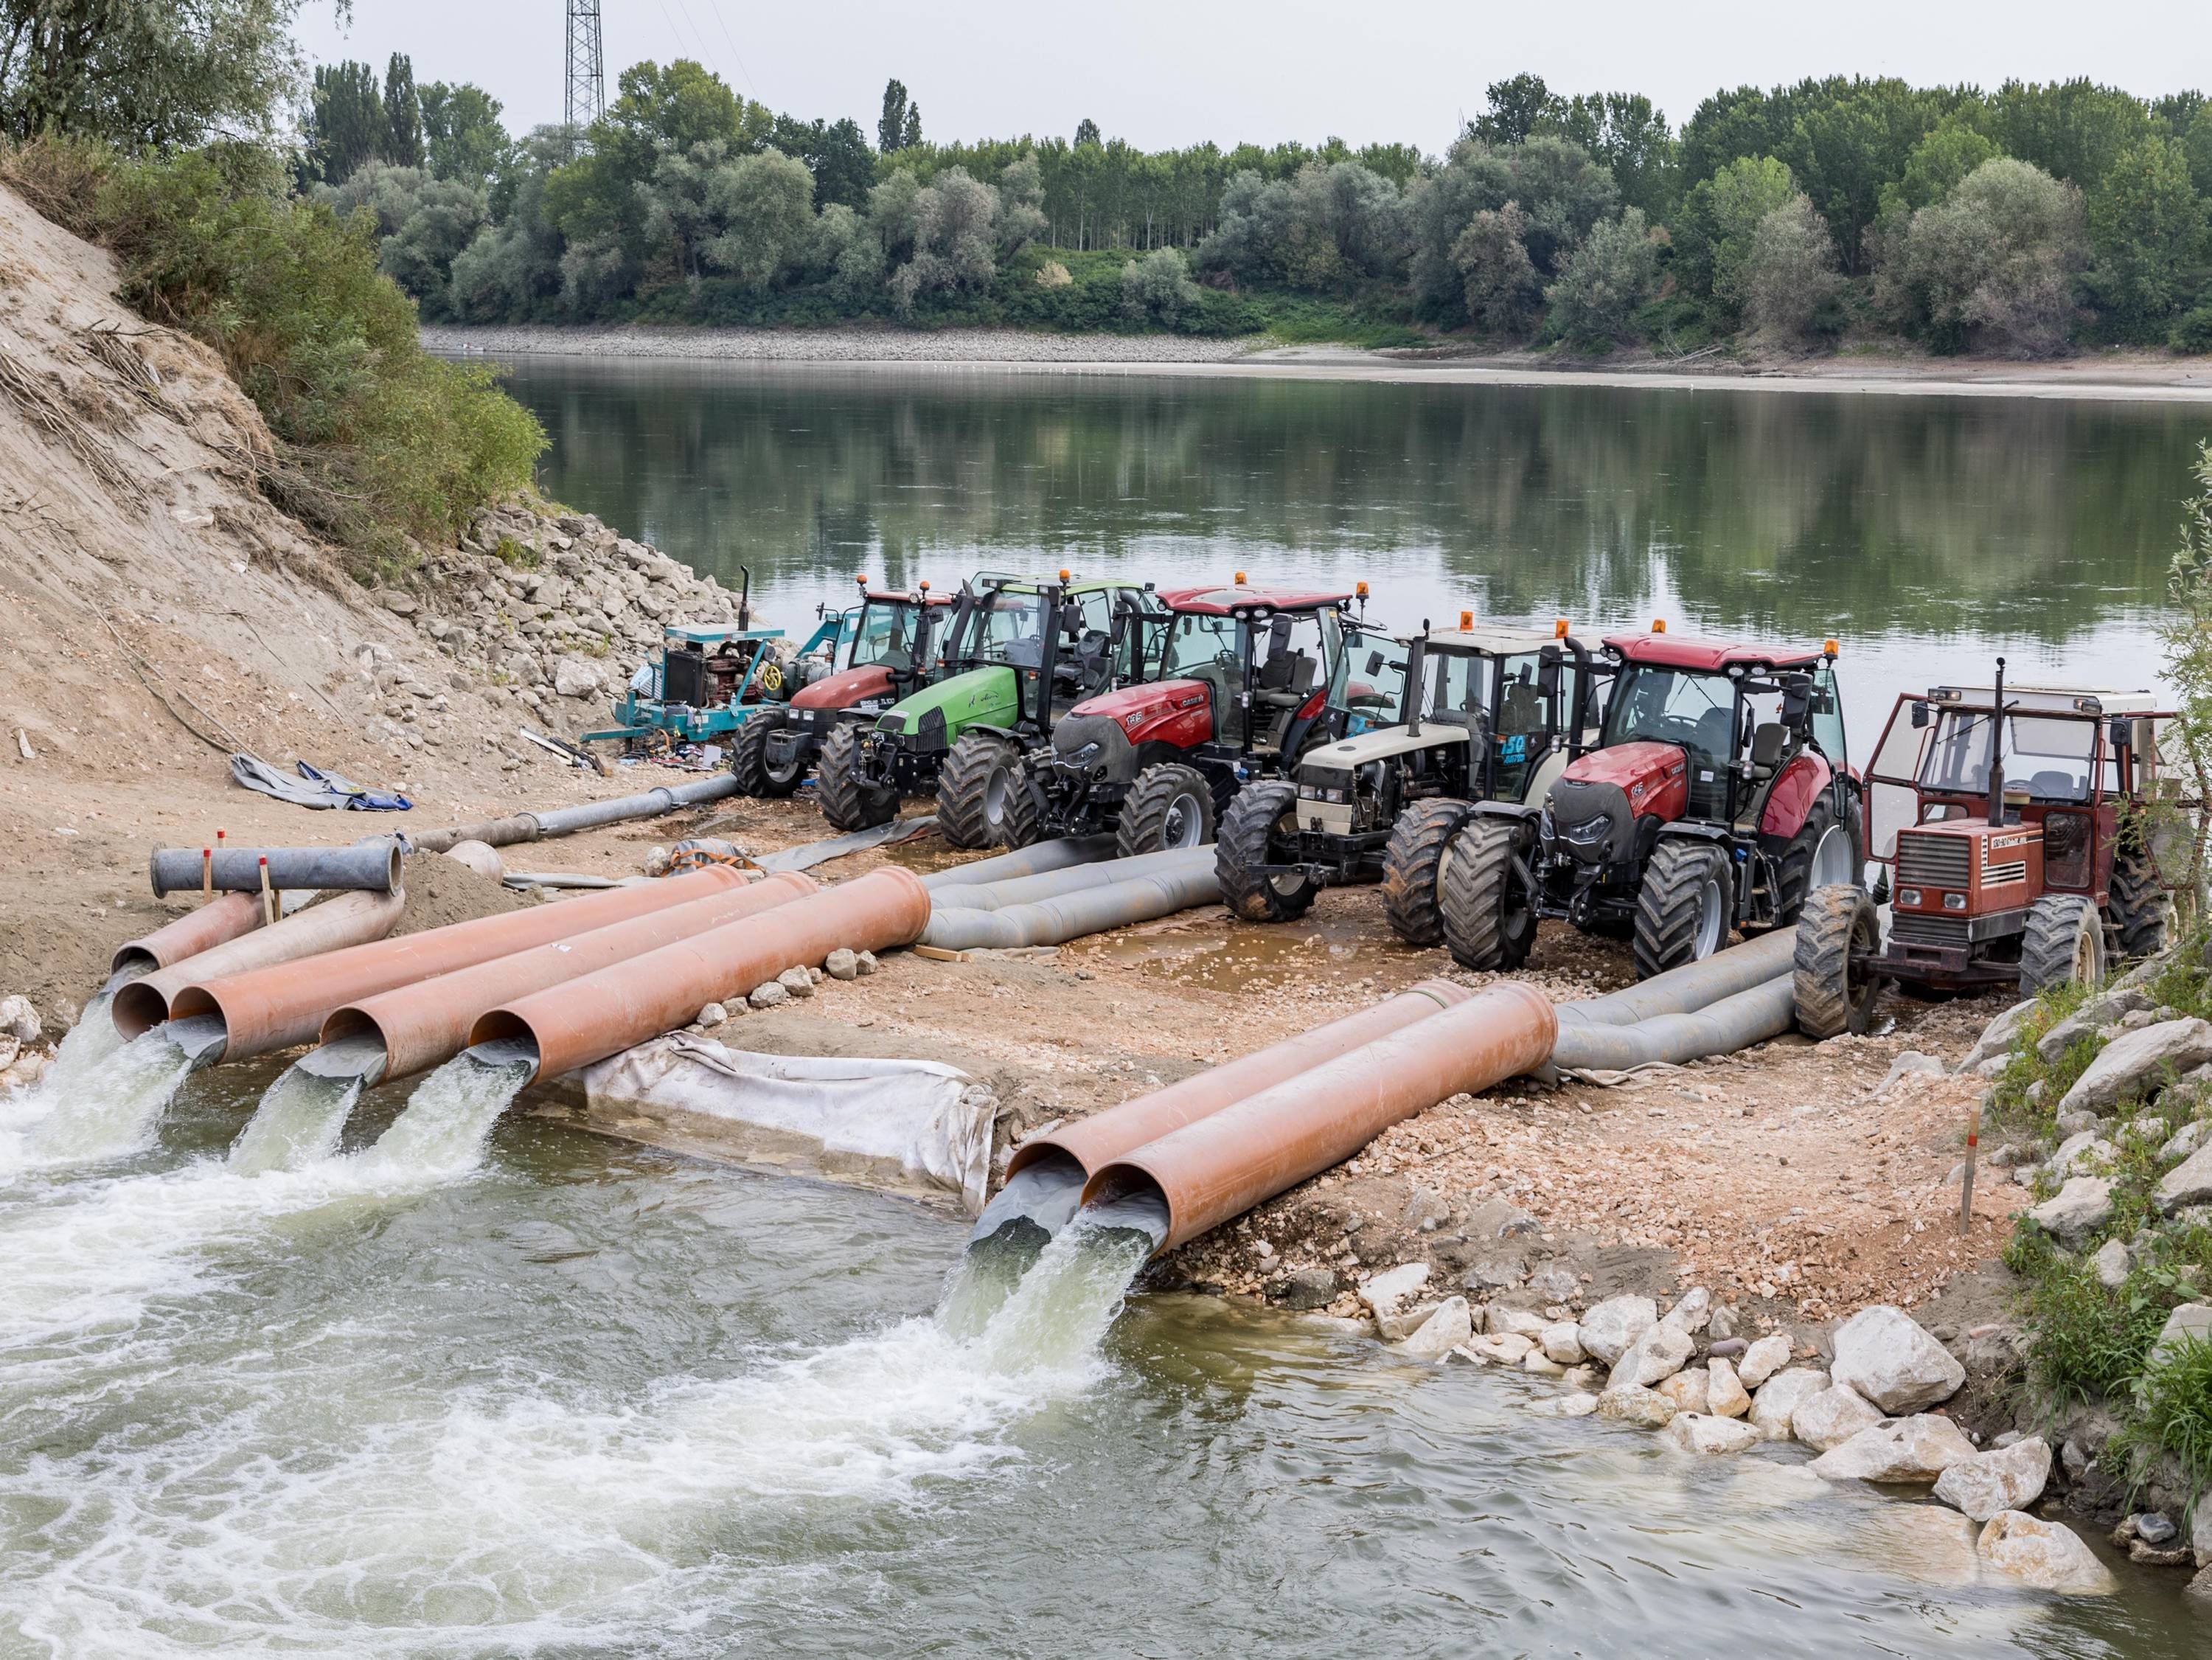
(550, 1396)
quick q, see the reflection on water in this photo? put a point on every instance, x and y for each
(1927, 533)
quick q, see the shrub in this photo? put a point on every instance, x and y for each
(2192, 332)
(1498, 278)
(1053, 274)
(1996, 265)
(1788, 274)
(1605, 283)
(2083, 1342)
(1159, 288)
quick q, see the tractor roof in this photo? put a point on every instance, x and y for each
(991, 582)
(882, 597)
(2087, 702)
(1224, 601)
(1493, 642)
(1682, 651)
(713, 634)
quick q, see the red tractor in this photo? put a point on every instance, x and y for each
(1718, 798)
(2022, 849)
(1240, 682)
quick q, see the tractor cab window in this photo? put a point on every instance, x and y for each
(1291, 656)
(1011, 630)
(1205, 650)
(1828, 717)
(1369, 681)
(1458, 692)
(2047, 759)
(1693, 711)
(886, 636)
(1521, 708)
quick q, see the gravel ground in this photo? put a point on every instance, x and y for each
(836, 345)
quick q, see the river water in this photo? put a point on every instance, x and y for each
(534, 1392)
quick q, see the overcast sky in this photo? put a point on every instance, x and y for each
(1164, 73)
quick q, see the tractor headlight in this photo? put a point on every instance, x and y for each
(1590, 831)
(1326, 786)
(1083, 757)
(1954, 902)
(1908, 896)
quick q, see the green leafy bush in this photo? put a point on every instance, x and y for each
(2083, 1342)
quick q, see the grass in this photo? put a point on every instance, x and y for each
(2172, 1413)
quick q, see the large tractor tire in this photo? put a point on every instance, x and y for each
(1838, 919)
(849, 801)
(1823, 853)
(750, 766)
(1683, 913)
(1489, 916)
(2141, 911)
(973, 787)
(1170, 806)
(1245, 842)
(1413, 861)
(1022, 822)
(2064, 944)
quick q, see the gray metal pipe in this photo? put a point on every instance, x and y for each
(1073, 916)
(1734, 1023)
(1693, 986)
(1037, 857)
(1051, 885)
(371, 866)
(590, 815)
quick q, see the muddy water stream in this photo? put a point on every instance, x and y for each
(561, 1398)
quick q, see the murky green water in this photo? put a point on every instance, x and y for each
(1926, 534)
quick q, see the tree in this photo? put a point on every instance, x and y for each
(1519, 109)
(1557, 191)
(890, 127)
(1994, 265)
(1606, 281)
(955, 240)
(1721, 217)
(1329, 224)
(1788, 272)
(511, 271)
(1159, 288)
(462, 138)
(837, 155)
(912, 134)
(346, 125)
(133, 73)
(1021, 205)
(1086, 131)
(766, 204)
(1499, 280)
(2075, 130)
(1945, 156)
(2147, 228)
(403, 139)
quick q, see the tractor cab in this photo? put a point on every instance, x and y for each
(1268, 661)
(708, 680)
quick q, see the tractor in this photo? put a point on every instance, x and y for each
(1717, 797)
(2030, 876)
(1018, 653)
(1244, 681)
(895, 639)
(1488, 714)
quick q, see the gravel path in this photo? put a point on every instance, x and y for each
(837, 345)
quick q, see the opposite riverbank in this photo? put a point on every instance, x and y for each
(2106, 376)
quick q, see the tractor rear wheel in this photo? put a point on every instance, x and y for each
(849, 801)
(973, 789)
(1683, 912)
(1412, 865)
(1822, 854)
(2064, 945)
(1245, 843)
(1838, 919)
(1021, 823)
(748, 763)
(2142, 909)
(1488, 914)
(1170, 806)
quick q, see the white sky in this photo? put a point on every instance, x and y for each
(1164, 73)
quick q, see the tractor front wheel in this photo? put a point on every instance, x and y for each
(749, 762)
(1836, 919)
(1170, 806)
(1683, 913)
(1487, 913)
(973, 787)
(1414, 861)
(849, 801)
(1246, 843)
(2064, 945)
(2142, 909)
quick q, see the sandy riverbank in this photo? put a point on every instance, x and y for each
(2102, 376)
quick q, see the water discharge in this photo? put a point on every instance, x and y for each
(452, 1111)
(299, 1121)
(104, 1108)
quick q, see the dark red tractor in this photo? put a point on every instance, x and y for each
(1719, 797)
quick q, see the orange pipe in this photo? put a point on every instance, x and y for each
(1097, 1141)
(1218, 1167)
(275, 1008)
(343, 919)
(422, 1025)
(212, 924)
(587, 1019)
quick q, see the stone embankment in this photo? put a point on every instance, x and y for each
(981, 346)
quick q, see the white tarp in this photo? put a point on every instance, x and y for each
(891, 1123)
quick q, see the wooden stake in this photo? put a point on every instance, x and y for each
(1967, 1185)
(268, 894)
(207, 874)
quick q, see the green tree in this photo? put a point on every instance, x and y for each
(1499, 280)
(1720, 218)
(1787, 273)
(346, 124)
(2146, 237)
(836, 153)
(1994, 266)
(765, 204)
(1558, 193)
(1630, 139)
(1157, 289)
(2075, 130)
(403, 114)
(1086, 131)
(510, 270)
(890, 126)
(1950, 150)
(462, 136)
(1606, 281)
(1520, 107)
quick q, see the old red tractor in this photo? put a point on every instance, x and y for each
(1719, 796)
(2022, 846)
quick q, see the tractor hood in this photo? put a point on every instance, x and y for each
(1648, 778)
(1349, 753)
(1180, 712)
(845, 688)
(989, 696)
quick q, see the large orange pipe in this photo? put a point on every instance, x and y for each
(422, 1024)
(342, 920)
(587, 1019)
(1218, 1167)
(274, 1008)
(220, 919)
(1097, 1141)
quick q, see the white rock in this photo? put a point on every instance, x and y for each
(2043, 1555)
(1579, 1404)
(1690, 1314)
(1388, 1295)
(2083, 1150)
(2189, 1182)
(866, 963)
(712, 1014)
(2010, 1478)
(1826, 1420)
(768, 995)
(18, 1019)
(1883, 1354)
(1520, 1322)
(2112, 1263)
(1996, 1037)
(1562, 1343)
(841, 964)
(2136, 1058)
(1911, 1063)
(1896, 1449)
(2097, 1012)
(576, 676)
(2189, 1322)
(1774, 1406)
(1661, 1352)
(1725, 1394)
(797, 982)
(2199, 1529)
(1613, 1324)
(2078, 1209)
(1690, 1389)
(2185, 1141)
(1763, 1359)
(1443, 1331)
(1647, 1408)
(1537, 1363)
(1705, 1435)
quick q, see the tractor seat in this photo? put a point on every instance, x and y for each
(1522, 711)
(1768, 742)
(1285, 680)
(2055, 784)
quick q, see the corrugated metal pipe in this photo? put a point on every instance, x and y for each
(1037, 857)
(1143, 898)
(367, 866)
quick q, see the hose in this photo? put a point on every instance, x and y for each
(1070, 916)
(1051, 885)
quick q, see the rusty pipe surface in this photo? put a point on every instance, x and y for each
(418, 1026)
(343, 919)
(1693, 986)
(1720, 1028)
(492, 832)
(603, 1014)
(370, 865)
(222, 918)
(275, 1008)
(1219, 1166)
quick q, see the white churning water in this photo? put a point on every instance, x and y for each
(91, 1109)
(298, 1122)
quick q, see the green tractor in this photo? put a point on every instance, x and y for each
(1019, 652)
